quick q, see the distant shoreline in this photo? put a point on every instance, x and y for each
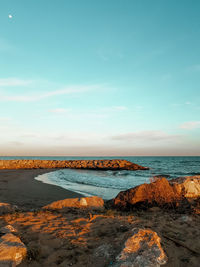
(18, 187)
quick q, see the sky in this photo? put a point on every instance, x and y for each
(99, 78)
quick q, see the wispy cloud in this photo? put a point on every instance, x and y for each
(187, 103)
(60, 110)
(154, 136)
(114, 108)
(14, 82)
(190, 125)
(68, 90)
(80, 114)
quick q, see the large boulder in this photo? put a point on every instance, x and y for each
(12, 250)
(142, 249)
(160, 193)
(188, 186)
(157, 193)
(84, 202)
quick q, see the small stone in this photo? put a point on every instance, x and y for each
(83, 202)
(8, 229)
(104, 251)
(186, 218)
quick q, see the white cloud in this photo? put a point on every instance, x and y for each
(60, 110)
(146, 136)
(68, 90)
(114, 108)
(14, 82)
(190, 125)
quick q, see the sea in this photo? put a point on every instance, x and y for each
(107, 184)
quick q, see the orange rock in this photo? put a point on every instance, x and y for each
(92, 202)
(8, 229)
(60, 204)
(158, 193)
(12, 249)
(85, 202)
(188, 186)
(142, 249)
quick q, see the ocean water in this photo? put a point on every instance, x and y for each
(107, 184)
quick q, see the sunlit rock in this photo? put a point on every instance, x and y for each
(85, 202)
(143, 249)
(12, 250)
(114, 164)
(157, 193)
(188, 186)
(8, 229)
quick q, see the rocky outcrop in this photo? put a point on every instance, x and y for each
(95, 202)
(159, 193)
(12, 250)
(188, 186)
(142, 249)
(116, 164)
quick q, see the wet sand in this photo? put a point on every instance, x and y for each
(18, 187)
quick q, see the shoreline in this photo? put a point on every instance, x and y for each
(19, 187)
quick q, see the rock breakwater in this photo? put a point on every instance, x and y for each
(116, 164)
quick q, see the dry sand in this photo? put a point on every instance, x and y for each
(18, 187)
(78, 237)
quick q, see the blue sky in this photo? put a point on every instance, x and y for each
(99, 77)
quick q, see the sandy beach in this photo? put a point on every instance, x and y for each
(18, 187)
(81, 237)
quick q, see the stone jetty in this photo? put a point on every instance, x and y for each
(115, 164)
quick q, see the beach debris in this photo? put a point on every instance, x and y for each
(12, 250)
(142, 249)
(94, 202)
(8, 229)
(6, 208)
